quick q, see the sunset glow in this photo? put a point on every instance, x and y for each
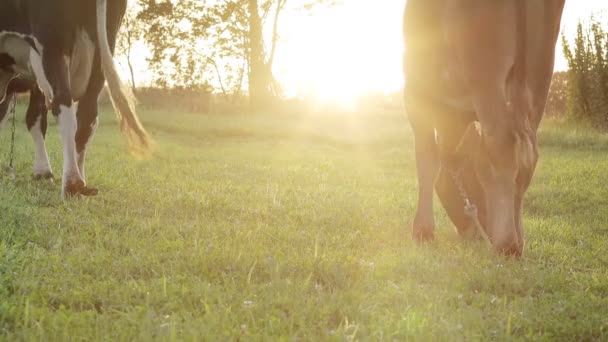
(343, 52)
(355, 48)
(336, 55)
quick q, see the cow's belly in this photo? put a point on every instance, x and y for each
(81, 64)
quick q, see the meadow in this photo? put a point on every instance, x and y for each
(291, 227)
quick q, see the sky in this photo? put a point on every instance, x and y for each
(356, 47)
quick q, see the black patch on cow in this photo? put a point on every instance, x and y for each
(6, 62)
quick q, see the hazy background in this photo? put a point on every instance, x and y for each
(353, 48)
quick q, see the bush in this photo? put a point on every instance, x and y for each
(201, 101)
(587, 84)
(557, 102)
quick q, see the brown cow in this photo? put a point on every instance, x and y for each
(482, 61)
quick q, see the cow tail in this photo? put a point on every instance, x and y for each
(121, 96)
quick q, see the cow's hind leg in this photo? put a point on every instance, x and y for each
(36, 120)
(87, 125)
(87, 116)
(56, 71)
(427, 166)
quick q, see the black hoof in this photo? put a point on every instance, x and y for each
(44, 176)
(87, 191)
(78, 188)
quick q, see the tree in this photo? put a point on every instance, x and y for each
(588, 74)
(194, 42)
(260, 71)
(557, 100)
(175, 32)
(131, 33)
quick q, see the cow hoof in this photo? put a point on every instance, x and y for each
(422, 236)
(44, 176)
(87, 191)
(77, 189)
(514, 251)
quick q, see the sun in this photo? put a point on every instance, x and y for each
(343, 52)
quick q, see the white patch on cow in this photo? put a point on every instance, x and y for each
(81, 64)
(15, 45)
(42, 166)
(22, 36)
(82, 155)
(67, 129)
(18, 46)
(38, 70)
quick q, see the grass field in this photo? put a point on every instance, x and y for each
(291, 227)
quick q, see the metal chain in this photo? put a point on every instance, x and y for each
(470, 209)
(12, 151)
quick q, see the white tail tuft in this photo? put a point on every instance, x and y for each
(121, 96)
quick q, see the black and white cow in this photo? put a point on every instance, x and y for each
(66, 47)
(35, 119)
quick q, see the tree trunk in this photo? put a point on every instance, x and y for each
(132, 72)
(259, 73)
(275, 31)
(129, 51)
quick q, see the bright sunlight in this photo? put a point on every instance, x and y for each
(355, 48)
(343, 52)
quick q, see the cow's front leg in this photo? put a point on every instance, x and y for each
(427, 167)
(36, 121)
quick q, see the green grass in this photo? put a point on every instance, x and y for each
(291, 228)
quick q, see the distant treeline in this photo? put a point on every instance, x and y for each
(204, 101)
